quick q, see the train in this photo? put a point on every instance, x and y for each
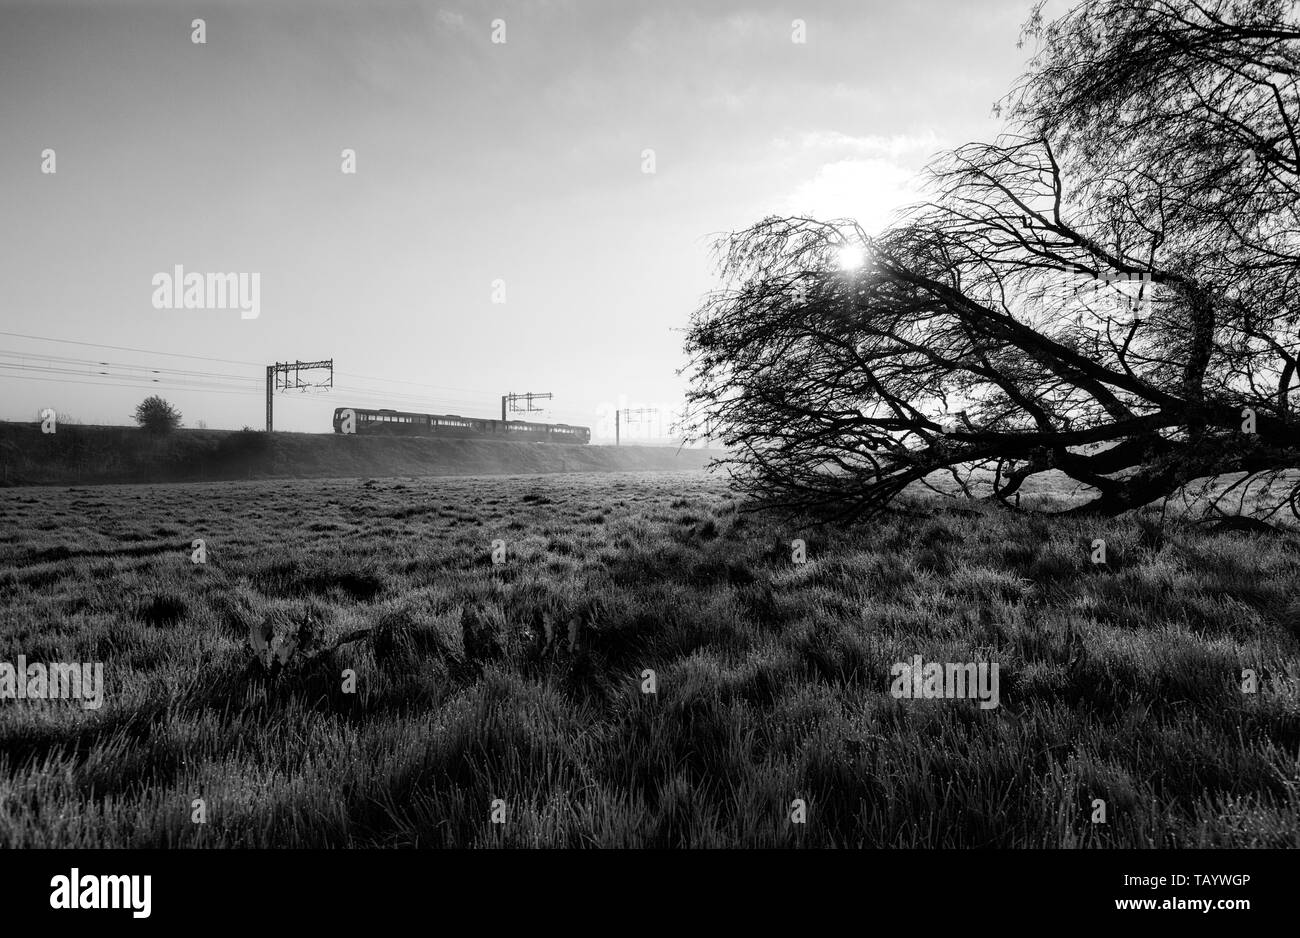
(402, 423)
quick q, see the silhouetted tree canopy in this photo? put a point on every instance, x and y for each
(1106, 290)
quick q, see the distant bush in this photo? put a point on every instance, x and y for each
(155, 415)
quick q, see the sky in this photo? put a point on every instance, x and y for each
(500, 232)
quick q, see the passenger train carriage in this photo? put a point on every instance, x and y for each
(393, 422)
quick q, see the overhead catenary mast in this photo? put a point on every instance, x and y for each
(511, 401)
(278, 378)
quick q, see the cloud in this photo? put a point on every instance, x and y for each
(866, 190)
(918, 146)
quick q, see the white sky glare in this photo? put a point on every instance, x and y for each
(476, 161)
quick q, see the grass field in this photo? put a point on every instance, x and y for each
(523, 682)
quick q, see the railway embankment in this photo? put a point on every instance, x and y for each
(81, 455)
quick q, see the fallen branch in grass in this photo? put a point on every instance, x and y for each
(1242, 523)
(275, 656)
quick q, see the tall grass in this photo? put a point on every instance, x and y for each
(523, 682)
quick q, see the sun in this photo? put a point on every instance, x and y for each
(849, 257)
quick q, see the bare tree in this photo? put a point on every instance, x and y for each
(1104, 291)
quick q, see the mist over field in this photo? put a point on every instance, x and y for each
(96, 455)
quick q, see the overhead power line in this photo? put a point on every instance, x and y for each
(25, 365)
(438, 387)
(111, 380)
(124, 348)
(142, 387)
(490, 395)
(95, 364)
